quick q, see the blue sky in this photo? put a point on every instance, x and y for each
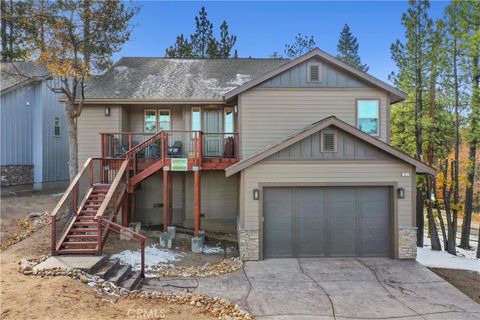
(264, 27)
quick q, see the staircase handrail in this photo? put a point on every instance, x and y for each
(144, 144)
(71, 187)
(112, 190)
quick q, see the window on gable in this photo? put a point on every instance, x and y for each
(314, 72)
(56, 127)
(368, 116)
(328, 141)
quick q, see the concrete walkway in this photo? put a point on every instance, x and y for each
(329, 288)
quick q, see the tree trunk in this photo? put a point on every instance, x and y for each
(420, 218)
(442, 227)
(467, 216)
(3, 9)
(72, 142)
(478, 246)
(432, 227)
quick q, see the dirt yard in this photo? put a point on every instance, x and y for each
(29, 297)
(466, 281)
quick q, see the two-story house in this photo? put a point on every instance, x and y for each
(293, 155)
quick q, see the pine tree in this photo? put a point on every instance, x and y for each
(202, 43)
(347, 48)
(180, 49)
(302, 45)
(202, 40)
(226, 42)
(411, 59)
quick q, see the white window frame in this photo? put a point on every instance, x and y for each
(225, 119)
(335, 140)
(311, 64)
(169, 119)
(156, 119)
(55, 126)
(377, 134)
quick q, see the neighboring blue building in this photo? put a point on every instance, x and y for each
(33, 133)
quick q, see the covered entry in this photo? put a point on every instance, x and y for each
(326, 221)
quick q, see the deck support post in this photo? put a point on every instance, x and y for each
(170, 196)
(125, 211)
(133, 213)
(197, 204)
(166, 201)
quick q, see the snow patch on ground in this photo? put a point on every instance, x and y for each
(464, 260)
(153, 256)
(57, 194)
(212, 250)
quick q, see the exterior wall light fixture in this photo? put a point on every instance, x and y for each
(401, 193)
(256, 194)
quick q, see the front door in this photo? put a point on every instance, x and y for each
(212, 129)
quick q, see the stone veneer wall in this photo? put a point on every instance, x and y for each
(248, 244)
(13, 175)
(407, 242)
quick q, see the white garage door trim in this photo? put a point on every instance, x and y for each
(393, 203)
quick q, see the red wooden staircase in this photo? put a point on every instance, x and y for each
(88, 210)
(82, 236)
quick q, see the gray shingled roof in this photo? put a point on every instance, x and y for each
(11, 78)
(176, 79)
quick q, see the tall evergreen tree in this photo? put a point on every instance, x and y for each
(411, 59)
(202, 40)
(180, 49)
(302, 45)
(226, 42)
(203, 43)
(347, 48)
(469, 46)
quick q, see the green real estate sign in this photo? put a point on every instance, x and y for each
(179, 164)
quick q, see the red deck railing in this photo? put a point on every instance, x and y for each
(215, 150)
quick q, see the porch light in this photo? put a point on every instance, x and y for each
(107, 111)
(401, 193)
(235, 109)
(256, 194)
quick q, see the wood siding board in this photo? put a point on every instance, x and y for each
(296, 77)
(268, 116)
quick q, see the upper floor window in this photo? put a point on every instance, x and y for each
(56, 127)
(368, 116)
(196, 119)
(228, 120)
(156, 120)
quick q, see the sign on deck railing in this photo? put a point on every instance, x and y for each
(179, 164)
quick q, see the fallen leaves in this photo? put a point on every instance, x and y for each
(27, 227)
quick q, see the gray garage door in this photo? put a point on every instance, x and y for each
(332, 222)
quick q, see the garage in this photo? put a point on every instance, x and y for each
(326, 221)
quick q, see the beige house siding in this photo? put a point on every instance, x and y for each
(325, 173)
(219, 201)
(268, 115)
(91, 122)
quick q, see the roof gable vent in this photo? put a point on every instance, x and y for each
(314, 72)
(329, 141)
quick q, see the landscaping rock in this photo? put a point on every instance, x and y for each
(207, 270)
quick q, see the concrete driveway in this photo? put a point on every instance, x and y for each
(330, 288)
